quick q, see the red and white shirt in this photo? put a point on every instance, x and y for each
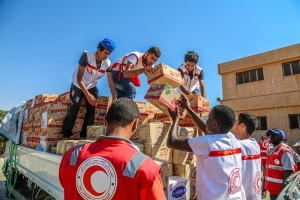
(251, 169)
(264, 148)
(190, 84)
(92, 73)
(219, 163)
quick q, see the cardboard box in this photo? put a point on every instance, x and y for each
(52, 121)
(150, 108)
(143, 118)
(187, 132)
(104, 101)
(93, 132)
(187, 171)
(30, 113)
(100, 121)
(164, 97)
(27, 106)
(100, 111)
(27, 123)
(161, 152)
(72, 143)
(183, 157)
(43, 98)
(61, 147)
(49, 142)
(48, 132)
(166, 171)
(36, 123)
(26, 137)
(178, 188)
(141, 106)
(162, 73)
(199, 103)
(55, 108)
(152, 133)
(162, 117)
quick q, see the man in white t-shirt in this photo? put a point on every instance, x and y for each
(123, 75)
(243, 128)
(218, 153)
(91, 67)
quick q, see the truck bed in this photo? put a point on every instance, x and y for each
(41, 168)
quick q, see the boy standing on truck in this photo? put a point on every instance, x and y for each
(92, 66)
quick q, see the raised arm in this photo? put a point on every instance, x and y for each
(173, 141)
(199, 122)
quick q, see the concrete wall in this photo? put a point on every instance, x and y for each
(275, 97)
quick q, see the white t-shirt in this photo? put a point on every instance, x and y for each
(219, 163)
(251, 169)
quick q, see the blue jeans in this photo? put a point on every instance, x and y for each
(124, 87)
(197, 92)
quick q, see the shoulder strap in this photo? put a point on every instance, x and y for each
(75, 154)
(134, 164)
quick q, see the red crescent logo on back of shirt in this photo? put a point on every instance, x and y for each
(234, 181)
(96, 178)
(257, 183)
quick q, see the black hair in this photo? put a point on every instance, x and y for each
(100, 47)
(249, 120)
(191, 56)
(224, 116)
(154, 50)
(122, 112)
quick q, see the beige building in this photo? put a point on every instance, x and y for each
(267, 85)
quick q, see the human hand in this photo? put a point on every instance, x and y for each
(92, 100)
(114, 98)
(174, 114)
(184, 102)
(148, 69)
(264, 194)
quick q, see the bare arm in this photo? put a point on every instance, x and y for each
(132, 73)
(90, 98)
(199, 122)
(202, 88)
(173, 141)
(184, 90)
(287, 173)
(111, 85)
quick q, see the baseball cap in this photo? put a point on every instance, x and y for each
(277, 132)
(108, 44)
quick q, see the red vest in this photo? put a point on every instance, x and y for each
(264, 145)
(274, 170)
(106, 169)
(121, 63)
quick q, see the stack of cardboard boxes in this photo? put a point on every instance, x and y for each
(45, 114)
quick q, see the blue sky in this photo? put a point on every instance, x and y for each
(41, 41)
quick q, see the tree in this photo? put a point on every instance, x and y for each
(2, 114)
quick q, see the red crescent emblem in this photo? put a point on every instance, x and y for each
(87, 179)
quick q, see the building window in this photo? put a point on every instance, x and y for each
(294, 121)
(262, 123)
(290, 68)
(250, 76)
